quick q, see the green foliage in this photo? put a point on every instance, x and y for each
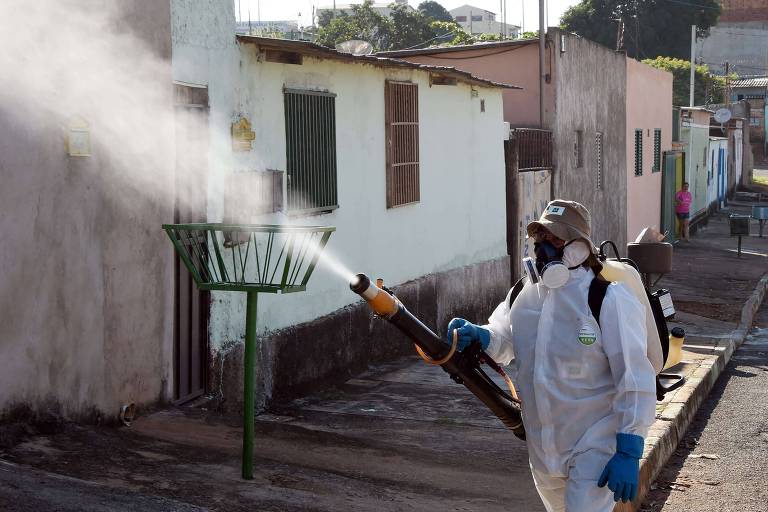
(708, 88)
(409, 28)
(435, 11)
(404, 28)
(651, 27)
(530, 35)
(364, 23)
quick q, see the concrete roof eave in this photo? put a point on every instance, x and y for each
(322, 52)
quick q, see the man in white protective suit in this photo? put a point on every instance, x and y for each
(587, 389)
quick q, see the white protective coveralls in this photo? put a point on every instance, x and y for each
(580, 383)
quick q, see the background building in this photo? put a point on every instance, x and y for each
(739, 38)
(476, 21)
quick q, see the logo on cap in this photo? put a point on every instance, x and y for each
(556, 210)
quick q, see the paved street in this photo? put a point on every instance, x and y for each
(400, 436)
(720, 464)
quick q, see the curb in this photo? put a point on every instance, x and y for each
(677, 416)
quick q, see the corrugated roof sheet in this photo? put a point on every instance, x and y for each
(316, 50)
(750, 82)
(460, 48)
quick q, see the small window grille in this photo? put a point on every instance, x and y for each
(638, 152)
(578, 149)
(656, 150)
(310, 134)
(401, 118)
(599, 159)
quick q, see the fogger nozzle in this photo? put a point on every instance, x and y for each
(382, 303)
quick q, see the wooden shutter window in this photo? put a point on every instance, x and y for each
(401, 117)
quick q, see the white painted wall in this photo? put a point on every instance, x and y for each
(535, 188)
(460, 219)
(205, 53)
(713, 165)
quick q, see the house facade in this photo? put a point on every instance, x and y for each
(476, 21)
(87, 151)
(649, 136)
(214, 127)
(593, 97)
(694, 138)
(740, 38)
(393, 221)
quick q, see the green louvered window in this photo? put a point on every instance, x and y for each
(310, 136)
(656, 150)
(638, 152)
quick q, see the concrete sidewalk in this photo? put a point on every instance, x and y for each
(402, 436)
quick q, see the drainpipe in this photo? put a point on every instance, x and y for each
(541, 63)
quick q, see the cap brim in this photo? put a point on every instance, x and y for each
(560, 230)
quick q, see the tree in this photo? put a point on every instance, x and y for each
(650, 27)
(452, 33)
(435, 11)
(364, 23)
(410, 28)
(708, 88)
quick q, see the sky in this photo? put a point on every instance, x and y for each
(302, 9)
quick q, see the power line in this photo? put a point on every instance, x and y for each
(691, 4)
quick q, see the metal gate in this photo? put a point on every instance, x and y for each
(191, 305)
(671, 183)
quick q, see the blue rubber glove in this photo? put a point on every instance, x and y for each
(623, 470)
(468, 332)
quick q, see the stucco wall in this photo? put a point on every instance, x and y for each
(516, 65)
(696, 139)
(86, 300)
(591, 96)
(460, 219)
(205, 54)
(743, 44)
(649, 106)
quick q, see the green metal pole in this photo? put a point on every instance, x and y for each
(248, 391)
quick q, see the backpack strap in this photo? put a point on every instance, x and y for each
(516, 289)
(597, 290)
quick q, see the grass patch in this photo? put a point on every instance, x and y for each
(442, 420)
(760, 180)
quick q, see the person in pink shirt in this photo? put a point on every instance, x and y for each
(683, 210)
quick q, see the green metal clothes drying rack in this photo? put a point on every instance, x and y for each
(255, 259)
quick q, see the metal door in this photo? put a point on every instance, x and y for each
(668, 187)
(191, 305)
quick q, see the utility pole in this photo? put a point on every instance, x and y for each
(727, 84)
(522, 23)
(541, 63)
(693, 62)
(501, 15)
(506, 30)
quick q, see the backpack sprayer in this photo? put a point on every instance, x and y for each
(463, 367)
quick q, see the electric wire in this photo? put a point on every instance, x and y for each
(692, 4)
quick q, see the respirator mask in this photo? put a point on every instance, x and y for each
(552, 265)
